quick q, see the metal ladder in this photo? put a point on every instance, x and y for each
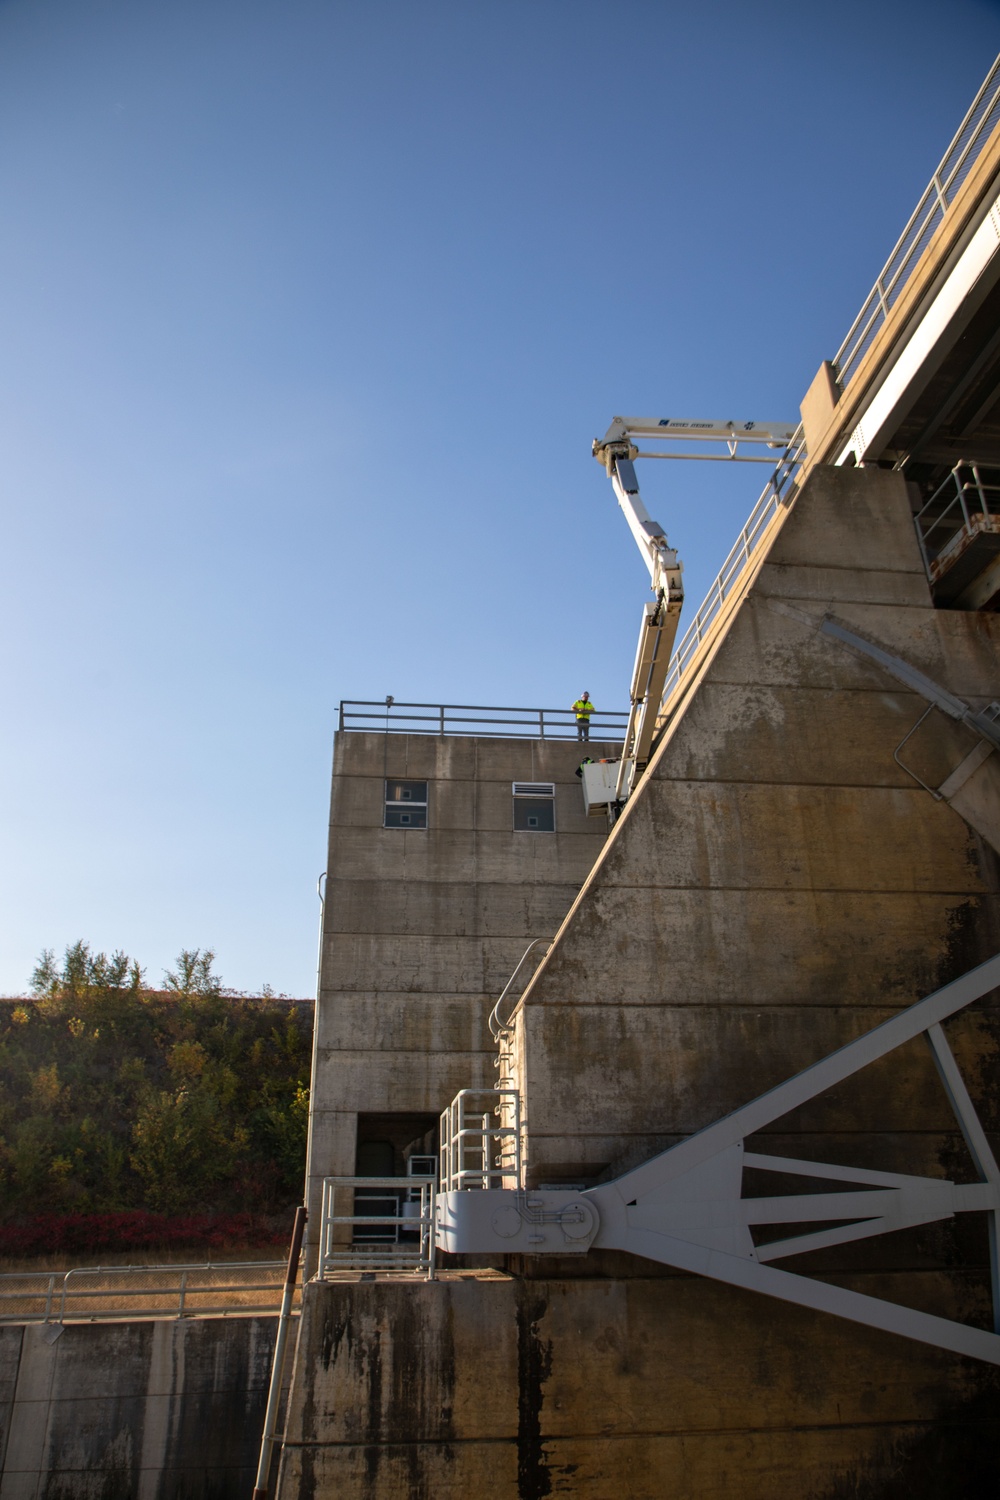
(502, 1031)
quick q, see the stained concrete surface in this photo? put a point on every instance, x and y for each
(777, 885)
(635, 1389)
(423, 927)
(152, 1410)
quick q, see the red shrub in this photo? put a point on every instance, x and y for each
(131, 1230)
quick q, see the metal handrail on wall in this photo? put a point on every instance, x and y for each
(476, 719)
(955, 166)
(497, 1027)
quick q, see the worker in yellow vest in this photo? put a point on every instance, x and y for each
(583, 708)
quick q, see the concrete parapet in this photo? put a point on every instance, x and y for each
(818, 404)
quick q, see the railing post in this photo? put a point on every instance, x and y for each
(62, 1299)
(442, 718)
(460, 1141)
(517, 1140)
(274, 1390)
(454, 1165)
(922, 545)
(183, 1294)
(960, 487)
(427, 1213)
(979, 487)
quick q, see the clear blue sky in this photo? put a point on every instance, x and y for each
(310, 311)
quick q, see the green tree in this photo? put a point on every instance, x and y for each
(114, 1096)
(286, 1122)
(45, 975)
(182, 1145)
(193, 975)
(84, 973)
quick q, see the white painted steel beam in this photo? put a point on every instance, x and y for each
(911, 677)
(685, 1208)
(774, 434)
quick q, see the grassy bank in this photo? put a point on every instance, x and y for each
(155, 1106)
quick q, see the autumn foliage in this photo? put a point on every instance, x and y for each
(136, 1232)
(132, 1117)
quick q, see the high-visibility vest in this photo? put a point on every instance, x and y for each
(583, 709)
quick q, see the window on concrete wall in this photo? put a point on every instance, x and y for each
(534, 806)
(405, 804)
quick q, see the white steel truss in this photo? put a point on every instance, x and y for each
(685, 1207)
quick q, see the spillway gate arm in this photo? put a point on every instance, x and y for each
(685, 1207)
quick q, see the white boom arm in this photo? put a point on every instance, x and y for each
(650, 537)
(659, 623)
(616, 451)
(618, 440)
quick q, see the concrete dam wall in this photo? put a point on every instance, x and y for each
(621, 1388)
(777, 885)
(157, 1410)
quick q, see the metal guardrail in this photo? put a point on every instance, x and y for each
(105, 1293)
(477, 719)
(390, 1226)
(549, 723)
(943, 523)
(956, 164)
(474, 1152)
